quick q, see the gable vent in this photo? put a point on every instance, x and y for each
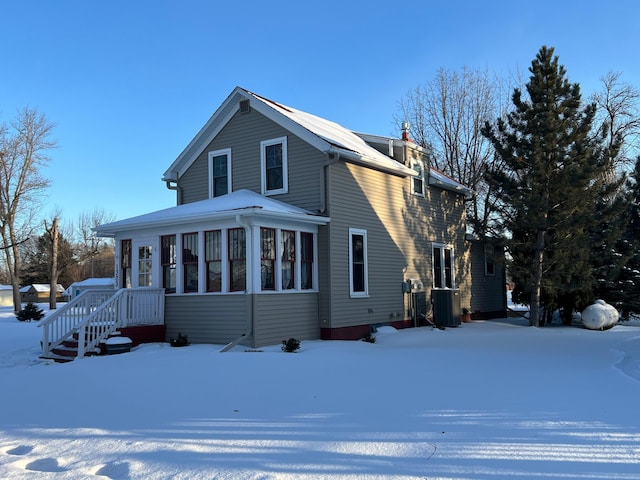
(244, 106)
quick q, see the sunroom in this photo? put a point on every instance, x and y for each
(241, 267)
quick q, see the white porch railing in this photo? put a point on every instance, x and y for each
(94, 315)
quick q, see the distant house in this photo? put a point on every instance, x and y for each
(76, 288)
(290, 225)
(39, 293)
(6, 296)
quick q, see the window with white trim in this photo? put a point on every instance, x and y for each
(219, 172)
(288, 259)
(418, 182)
(190, 262)
(267, 258)
(443, 273)
(358, 264)
(273, 161)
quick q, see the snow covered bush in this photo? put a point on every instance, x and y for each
(599, 316)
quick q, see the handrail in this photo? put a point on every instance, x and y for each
(95, 314)
(128, 307)
(63, 322)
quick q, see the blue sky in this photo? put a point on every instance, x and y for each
(129, 83)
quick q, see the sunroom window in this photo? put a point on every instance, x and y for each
(237, 259)
(168, 256)
(213, 260)
(190, 262)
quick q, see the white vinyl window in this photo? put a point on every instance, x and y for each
(358, 264)
(418, 182)
(219, 172)
(273, 161)
(443, 272)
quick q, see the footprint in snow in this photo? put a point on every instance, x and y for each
(45, 465)
(20, 450)
(114, 470)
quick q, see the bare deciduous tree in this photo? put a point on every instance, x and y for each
(90, 247)
(618, 119)
(24, 147)
(446, 116)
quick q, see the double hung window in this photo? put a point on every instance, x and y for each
(125, 263)
(358, 264)
(288, 259)
(237, 259)
(273, 160)
(443, 274)
(419, 180)
(190, 262)
(168, 256)
(219, 172)
(213, 260)
(267, 258)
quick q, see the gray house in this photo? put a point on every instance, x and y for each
(290, 225)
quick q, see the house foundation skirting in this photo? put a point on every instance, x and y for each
(356, 332)
(489, 315)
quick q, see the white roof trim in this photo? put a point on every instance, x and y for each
(324, 135)
(239, 203)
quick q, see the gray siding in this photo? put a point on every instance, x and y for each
(401, 228)
(488, 292)
(243, 134)
(282, 316)
(207, 318)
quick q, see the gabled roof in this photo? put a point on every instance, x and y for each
(241, 203)
(328, 137)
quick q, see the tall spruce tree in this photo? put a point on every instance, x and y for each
(618, 259)
(549, 186)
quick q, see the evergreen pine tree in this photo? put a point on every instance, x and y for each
(549, 187)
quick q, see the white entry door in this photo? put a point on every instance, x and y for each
(145, 262)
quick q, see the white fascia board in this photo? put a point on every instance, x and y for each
(353, 157)
(207, 133)
(204, 218)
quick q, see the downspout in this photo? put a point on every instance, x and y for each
(249, 276)
(334, 157)
(173, 185)
(248, 289)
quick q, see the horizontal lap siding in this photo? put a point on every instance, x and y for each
(214, 319)
(488, 291)
(281, 316)
(401, 228)
(243, 135)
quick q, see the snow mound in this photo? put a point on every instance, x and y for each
(599, 316)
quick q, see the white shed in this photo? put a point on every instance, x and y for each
(6, 296)
(76, 288)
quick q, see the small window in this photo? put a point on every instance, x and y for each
(306, 261)
(168, 257)
(288, 259)
(489, 260)
(219, 172)
(358, 274)
(443, 274)
(213, 260)
(125, 263)
(267, 258)
(190, 262)
(273, 158)
(237, 259)
(418, 181)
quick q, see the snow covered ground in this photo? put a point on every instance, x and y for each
(487, 400)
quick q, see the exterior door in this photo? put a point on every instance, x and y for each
(145, 262)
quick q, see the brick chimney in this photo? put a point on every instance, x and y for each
(405, 132)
